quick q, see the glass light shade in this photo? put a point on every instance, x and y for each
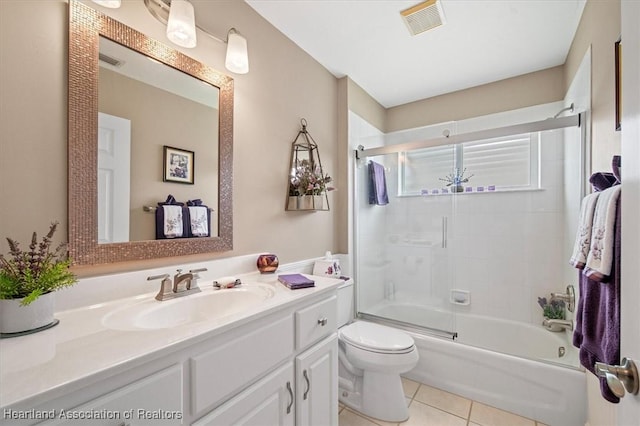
(181, 27)
(237, 59)
(113, 4)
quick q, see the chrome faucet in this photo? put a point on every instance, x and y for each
(179, 278)
(171, 290)
(557, 324)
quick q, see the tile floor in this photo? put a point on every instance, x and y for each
(429, 406)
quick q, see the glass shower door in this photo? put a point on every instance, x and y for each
(404, 270)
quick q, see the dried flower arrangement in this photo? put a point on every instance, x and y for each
(552, 310)
(30, 274)
(307, 180)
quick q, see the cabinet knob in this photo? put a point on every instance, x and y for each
(323, 321)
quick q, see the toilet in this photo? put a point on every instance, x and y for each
(371, 359)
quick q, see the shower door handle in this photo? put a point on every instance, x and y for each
(444, 232)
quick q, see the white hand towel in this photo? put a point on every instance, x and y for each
(583, 236)
(199, 221)
(173, 221)
(600, 258)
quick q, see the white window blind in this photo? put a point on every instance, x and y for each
(423, 168)
(506, 163)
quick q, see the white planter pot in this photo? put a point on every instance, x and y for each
(15, 318)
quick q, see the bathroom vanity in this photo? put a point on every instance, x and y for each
(139, 361)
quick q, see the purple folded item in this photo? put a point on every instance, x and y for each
(597, 329)
(377, 185)
(602, 181)
(294, 281)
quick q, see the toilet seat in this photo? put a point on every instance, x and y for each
(376, 338)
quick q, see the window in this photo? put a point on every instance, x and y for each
(506, 163)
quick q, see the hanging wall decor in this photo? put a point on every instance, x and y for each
(308, 184)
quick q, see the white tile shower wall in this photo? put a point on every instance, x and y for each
(506, 248)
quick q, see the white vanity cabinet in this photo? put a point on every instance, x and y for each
(278, 367)
(303, 391)
(268, 402)
(317, 384)
(153, 400)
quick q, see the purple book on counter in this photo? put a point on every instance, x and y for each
(294, 281)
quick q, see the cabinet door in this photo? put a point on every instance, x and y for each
(270, 401)
(317, 384)
(153, 400)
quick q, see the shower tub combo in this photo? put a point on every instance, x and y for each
(419, 257)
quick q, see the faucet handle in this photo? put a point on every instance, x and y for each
(158, 277)
(165, 286)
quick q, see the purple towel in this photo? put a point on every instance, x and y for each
(602, 181)
(597, 331)
(377, 185)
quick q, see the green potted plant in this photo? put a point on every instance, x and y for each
(28, 279)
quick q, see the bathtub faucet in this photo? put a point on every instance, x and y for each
(569, 297)
(557, 324)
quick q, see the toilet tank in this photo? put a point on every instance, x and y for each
(346, 303)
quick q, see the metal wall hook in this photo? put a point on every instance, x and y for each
(620, 377)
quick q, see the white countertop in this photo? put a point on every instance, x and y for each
(80, 346)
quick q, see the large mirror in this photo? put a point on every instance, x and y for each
(173, 121)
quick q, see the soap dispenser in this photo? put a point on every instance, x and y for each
(329, 266)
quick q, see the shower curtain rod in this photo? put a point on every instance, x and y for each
(535, 126)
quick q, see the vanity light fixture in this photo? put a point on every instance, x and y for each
(182, 31)
(237, 59)
(181, 26)
(111, 4)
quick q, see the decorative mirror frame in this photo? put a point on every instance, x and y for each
(86, 25)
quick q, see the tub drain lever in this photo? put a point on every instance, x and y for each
(620, 377)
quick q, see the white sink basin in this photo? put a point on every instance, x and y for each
(207, 305)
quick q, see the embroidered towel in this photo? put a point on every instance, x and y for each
(597, 330)
(600, 257)
(583, 235)
(377, 185)
(172, 221)
(199, 221)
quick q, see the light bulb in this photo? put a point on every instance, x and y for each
(181, 27)
(237, 59)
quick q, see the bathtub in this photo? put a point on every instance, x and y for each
(523, 372)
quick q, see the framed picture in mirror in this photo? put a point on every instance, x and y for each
(178, 165)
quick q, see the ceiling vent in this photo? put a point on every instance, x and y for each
(423, 16)
(110, 60)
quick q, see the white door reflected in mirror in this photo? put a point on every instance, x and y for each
(114, 158)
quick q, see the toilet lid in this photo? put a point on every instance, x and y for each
(376, 337)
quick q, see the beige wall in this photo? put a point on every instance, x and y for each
(284, 85)
(518, 92)
(361, 103)
(599, 28)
